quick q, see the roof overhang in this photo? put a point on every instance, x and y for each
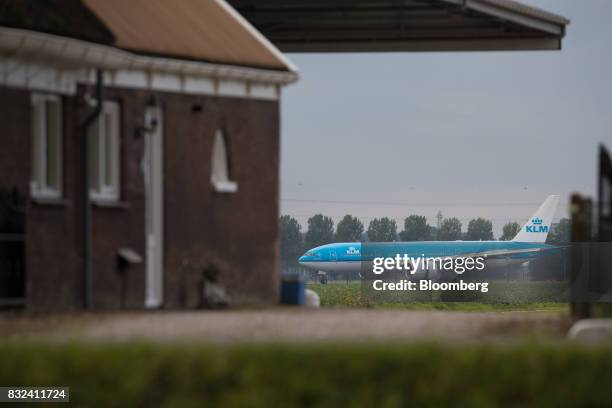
(69, 53)
(403, 25)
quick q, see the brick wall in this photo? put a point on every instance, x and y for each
(237, 233)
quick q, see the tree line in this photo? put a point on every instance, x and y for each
(321, 231)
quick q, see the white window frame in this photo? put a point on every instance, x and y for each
(39, 187)
(219, 166)
(106, 192)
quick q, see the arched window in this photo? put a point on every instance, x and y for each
(219, 172)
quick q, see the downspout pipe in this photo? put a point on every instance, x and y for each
(86, 200)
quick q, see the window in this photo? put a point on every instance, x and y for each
(103, 146)
(219, 174)
(46, 114)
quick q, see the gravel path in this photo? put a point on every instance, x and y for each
(288, 324)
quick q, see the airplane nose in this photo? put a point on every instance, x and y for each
(302, 260)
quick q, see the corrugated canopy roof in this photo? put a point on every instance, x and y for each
(203, 30)
(403, 25)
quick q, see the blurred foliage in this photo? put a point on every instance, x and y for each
(382, 230)
(324, 374)
(340, 294)
(502, 295)
(291, 242)
(320, 231)
(349, 229)
(479, 229)
(450, 230)
(560, 232)
(509, 231)
(416, 229)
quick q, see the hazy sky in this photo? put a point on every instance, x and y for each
(470, 134)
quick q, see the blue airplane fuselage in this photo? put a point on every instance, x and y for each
(529, 242)
(349, 256)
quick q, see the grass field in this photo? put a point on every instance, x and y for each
(191, 372)
(323, 375)
(502, 296)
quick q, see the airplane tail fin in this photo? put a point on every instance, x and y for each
(538, 225)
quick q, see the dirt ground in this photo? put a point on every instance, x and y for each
(285, 324)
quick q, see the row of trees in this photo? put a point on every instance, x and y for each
(321, 231)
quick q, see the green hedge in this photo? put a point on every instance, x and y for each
(333, 375)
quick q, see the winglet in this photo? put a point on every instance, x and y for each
(537, 227)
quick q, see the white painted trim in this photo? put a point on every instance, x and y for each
(38, 186)
(152, 165)
(264, 91)
(74, 61)
(35, 76)
(24, 74)
(37, 192)
(108, 192)
(79, 54)
(219, 166)
(225, 186)
(260, 37)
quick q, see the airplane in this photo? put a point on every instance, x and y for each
(528, 243)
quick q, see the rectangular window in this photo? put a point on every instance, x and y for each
(104, 153)
(46, 119)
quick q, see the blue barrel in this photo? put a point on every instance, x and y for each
(292, 290)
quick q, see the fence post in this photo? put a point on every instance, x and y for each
(581, 231)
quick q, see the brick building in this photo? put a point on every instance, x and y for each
(168, 113)
(146, 133)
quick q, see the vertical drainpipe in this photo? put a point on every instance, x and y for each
(87, 274)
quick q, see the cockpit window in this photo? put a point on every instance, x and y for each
(311, 253)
